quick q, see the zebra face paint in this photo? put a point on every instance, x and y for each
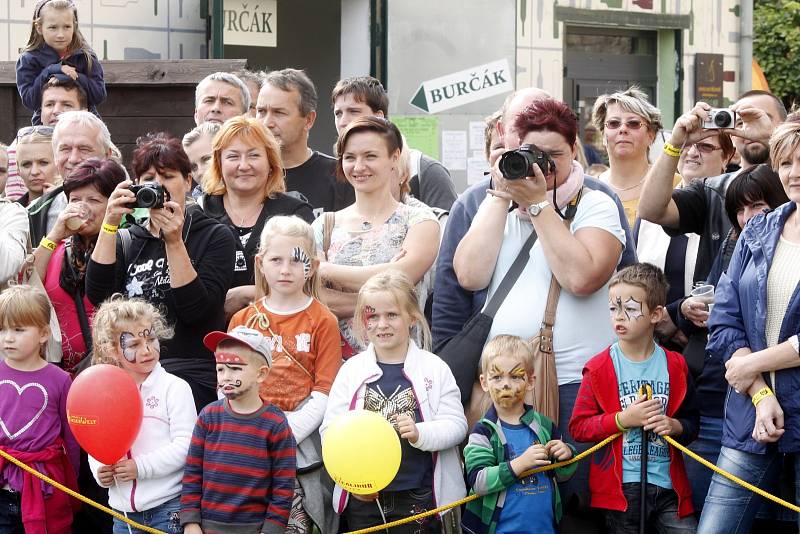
(299, 255)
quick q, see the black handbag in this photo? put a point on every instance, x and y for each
(462, 353)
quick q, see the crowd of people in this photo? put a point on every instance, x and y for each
(256, 289)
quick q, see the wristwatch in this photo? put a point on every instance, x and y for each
(536, 209)
(795, 343)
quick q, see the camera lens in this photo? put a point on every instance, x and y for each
(146, 198)
(722, 119)
(513, 165)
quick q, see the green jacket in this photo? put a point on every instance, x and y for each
(490, 474)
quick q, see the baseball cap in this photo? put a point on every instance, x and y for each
(241, 334)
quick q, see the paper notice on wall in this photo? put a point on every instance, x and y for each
(454, 149)
(477, 139)
(421, 133)
(477, 166)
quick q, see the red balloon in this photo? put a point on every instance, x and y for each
(104, 411)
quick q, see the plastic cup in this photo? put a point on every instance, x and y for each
(705, 294)
(75, 222)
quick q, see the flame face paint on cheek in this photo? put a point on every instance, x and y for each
(370, 321)
(298, 254)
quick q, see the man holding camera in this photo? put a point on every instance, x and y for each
(700, 208)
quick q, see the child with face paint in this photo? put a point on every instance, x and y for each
(609, 402)
(509, 440)
(416, 392)
(146, 483)
(33, 418)
(240, 471)
(306, 350)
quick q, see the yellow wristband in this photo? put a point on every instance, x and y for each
(46, 243)
(110, 228)
(672, 151)
(761, 394)
(619, 425)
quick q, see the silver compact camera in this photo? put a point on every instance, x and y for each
(720, 118)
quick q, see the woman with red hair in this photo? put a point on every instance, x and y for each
(580, 240)
(178, 259)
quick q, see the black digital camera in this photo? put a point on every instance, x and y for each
(149, 195)
(516, 164)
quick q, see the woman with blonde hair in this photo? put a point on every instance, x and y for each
(243, 188)
(628, 124)
(753, 329)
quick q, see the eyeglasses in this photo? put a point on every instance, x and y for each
(28, 130)
(631, 124)
(705, 148)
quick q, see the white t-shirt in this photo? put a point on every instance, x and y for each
(582, 328)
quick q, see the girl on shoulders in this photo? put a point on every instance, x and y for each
(57, 48)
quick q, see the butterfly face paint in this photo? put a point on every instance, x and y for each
(132, 344)
(140, 350)
(298, 254)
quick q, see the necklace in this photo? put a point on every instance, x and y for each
(244, 217)
(634, 186)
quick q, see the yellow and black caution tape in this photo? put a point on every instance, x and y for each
(77, 495)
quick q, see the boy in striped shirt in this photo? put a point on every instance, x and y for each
(240, 472)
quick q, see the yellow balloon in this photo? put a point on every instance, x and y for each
(361, 452)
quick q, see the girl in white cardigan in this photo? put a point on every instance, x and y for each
(416, 392)
(147, 480)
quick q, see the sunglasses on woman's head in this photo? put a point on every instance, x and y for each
(631, 124)
(44, 130)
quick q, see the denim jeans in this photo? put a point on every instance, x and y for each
(576, 487)
(662, 512)
(164, 517)
(396, 505)
(10, 513)
(707, 446)
(730, 508)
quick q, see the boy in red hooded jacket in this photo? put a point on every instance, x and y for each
(609, 402)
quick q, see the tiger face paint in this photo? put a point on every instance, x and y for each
(506, 381)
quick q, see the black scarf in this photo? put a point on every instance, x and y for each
(73, 268)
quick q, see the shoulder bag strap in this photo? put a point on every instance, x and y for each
(549, 318)
(511, 276)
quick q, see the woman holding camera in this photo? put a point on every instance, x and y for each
(179, 259)
(580, 240)
(62, 256)
(242, 189)
(376, 232)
